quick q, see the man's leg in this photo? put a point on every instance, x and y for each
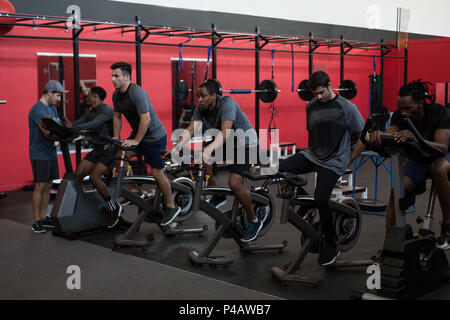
(98, 170)
(44, 172)
(439, 173)
(164, 186)
(45, 199)
(236, 183)
(296, 164)
(326, 181)
(414, 180)
(114, 209)
(36, 199)
(84, 168)
(152, 156)
(390, 211)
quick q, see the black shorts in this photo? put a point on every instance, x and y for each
(152, 152)
(45, 170)
(419, 173)
(105, 157)
(242, 159)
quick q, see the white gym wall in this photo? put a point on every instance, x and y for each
(426, 17)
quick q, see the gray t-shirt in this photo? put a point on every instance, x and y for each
(134, 102)
(40, 148)
(98, 118)
(227, 109)
(329, 126)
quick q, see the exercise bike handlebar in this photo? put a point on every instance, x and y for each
(420, 151)
(180, 166)
(422, 143)
(64, 134)
(116, 143)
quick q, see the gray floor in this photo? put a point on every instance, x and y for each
(164, 267)
(35, 267)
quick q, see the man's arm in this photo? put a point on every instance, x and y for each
(358, 148)
(101, 118)
(187, 135)
(117, 124)
(144, 121)
(441, 139)
(46, 133)
(221, 138)
(374, 138)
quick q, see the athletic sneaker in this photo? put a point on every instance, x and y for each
(169, 215)
(328, 254)
(262, 213)
(114, 217)
(47, 223)
(218, 200)
(251, 231)
(443, 242)
(37, 227)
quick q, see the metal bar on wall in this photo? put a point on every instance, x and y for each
(342, 45)
(138, 39)
(61, 111)
(257, 61)
(138, 52)
(214, 51)
(446, 93)
(405, 78)
(382, 71)
(310, 61)
(76, 84)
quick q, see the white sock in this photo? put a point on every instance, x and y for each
(255, 221)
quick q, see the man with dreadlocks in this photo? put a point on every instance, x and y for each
(433, 123)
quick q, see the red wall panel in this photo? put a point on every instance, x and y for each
(428, 60)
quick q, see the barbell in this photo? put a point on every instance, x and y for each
(267, 90)
(347, 89)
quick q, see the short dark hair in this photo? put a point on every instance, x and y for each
(418, 90)
(317, 79)
(211, 86)
(123, 66)
(100, 92)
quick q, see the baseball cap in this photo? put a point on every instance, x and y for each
(54, 86)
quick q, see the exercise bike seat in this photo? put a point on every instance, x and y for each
(256, 178)
(290, 178)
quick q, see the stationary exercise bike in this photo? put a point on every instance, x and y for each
(411, 265)
(76, 211)
(151, 209)
(299, 209)
(229, 224)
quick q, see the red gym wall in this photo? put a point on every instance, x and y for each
(235, 69)
(427, 59)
